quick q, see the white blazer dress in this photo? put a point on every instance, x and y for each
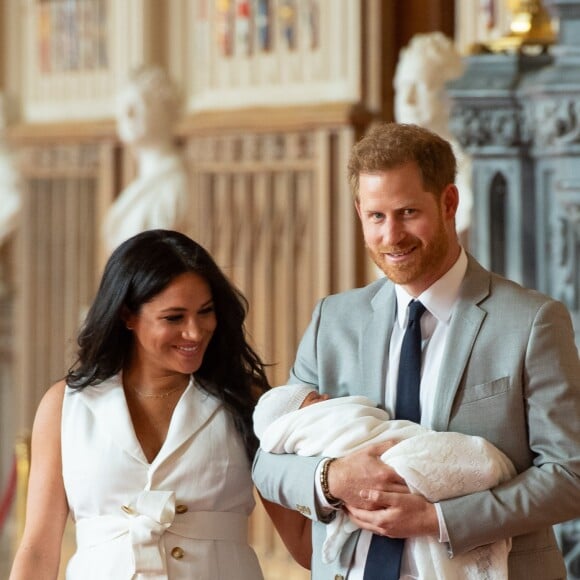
(183, 516)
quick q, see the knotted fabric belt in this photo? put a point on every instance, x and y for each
(147, 518)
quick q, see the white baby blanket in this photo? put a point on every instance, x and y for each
(435, 465)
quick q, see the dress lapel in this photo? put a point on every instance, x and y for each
(193, 412)
(108, 404)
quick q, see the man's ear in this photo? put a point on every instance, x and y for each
(450, 201)
(357, 206)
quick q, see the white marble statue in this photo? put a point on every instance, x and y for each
(10, 181)
(425, 65)
(148, 109)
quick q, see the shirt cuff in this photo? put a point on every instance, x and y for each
(443, 533)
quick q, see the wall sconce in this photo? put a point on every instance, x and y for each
(531, 28)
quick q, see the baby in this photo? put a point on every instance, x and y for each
(297, 419)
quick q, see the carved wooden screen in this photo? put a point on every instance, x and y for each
(273, 210)
(275, 214)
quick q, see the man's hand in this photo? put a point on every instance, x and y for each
(404, 515)
(377, 498)
(352, 478)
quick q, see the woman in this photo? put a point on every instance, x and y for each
(148, 440)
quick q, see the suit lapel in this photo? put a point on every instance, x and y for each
(466, 321)
(375, 340)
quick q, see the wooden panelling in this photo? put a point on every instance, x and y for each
(415, 16)
(56, 258)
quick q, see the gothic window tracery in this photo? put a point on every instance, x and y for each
(498, 212)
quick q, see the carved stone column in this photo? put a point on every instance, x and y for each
(517, 113)
(552, 117)
(486, 119)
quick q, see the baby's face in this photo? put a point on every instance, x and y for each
(313, 397)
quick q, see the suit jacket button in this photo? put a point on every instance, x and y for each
(180, 509)
(177, 553)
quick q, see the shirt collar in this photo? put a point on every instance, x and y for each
(440, 297)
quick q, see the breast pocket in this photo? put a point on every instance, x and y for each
(478, 393)
(491, 410)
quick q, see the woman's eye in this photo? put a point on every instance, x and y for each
(174, 318)
(207, 310)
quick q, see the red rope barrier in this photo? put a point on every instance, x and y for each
(8, 496)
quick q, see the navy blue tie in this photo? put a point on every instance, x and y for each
(384, 557)
(409, 378)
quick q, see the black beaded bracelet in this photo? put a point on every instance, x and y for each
(333, 501)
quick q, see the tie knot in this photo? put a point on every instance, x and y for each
(416, 310)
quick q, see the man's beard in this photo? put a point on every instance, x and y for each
(424, 259)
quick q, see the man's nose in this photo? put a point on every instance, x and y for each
(392, 232)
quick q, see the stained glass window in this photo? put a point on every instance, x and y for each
(71, 35)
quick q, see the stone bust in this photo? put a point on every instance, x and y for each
(10, 199)
(424, 67)
(10, 180)
(148, 108)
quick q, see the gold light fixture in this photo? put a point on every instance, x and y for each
(530, 27)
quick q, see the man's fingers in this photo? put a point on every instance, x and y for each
(380, 497)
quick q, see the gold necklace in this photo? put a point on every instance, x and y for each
(156, 395)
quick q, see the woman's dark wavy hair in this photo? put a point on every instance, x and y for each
(138, 270)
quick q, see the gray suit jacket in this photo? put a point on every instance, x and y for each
(510, 374)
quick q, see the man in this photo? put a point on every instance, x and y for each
(504, 360)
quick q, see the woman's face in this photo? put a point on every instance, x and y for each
(172, 331)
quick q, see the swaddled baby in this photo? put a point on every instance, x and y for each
(438, 466)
